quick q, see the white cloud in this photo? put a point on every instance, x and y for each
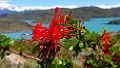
(4, 1)
(108, 6)
(6, 4)
(45, 8)
(22, 8)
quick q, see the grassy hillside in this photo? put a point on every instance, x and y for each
(11, 22)
(84, 12)
(7, 25)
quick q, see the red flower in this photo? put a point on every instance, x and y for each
(106, 37)
(89, 66)
(106, 40)
(51, 35)
(105, 46)
(116, 59)
(106, 53)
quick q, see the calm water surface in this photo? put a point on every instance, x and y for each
(94, 24)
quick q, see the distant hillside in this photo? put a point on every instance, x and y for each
(7, 25)
(85, 12)
(5, 12)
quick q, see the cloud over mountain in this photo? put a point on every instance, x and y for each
(108, 6)
(5, 4)
(22, 8)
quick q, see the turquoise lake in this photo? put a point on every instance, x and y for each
(94, 24)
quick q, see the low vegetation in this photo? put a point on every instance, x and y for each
(66, 44)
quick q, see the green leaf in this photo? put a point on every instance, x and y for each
(101, 43)
(107, 58)
(2, 37)
(67, 43)
(2, 53)
(90, 61)
(81, 44)
(6, 42)
(87, 32)
(104, 30)
(92, 43)
(88, 37)
(114, 66)
(40, 56)
(57, 66)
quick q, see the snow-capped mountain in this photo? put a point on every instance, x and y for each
(6, 9)
(10, 8)
(5, 6)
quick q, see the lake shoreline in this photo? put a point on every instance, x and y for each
(115, 33)
(5, 32)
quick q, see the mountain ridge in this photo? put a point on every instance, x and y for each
(81, 12)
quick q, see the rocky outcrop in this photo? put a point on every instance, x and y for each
(116, 22)
(115, 33)
(13, 60)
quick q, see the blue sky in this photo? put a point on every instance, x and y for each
(64, 2)
(47, 4)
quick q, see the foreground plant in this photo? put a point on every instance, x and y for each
(5, 43)
(63, 42)
(93, 49)
(49, 38)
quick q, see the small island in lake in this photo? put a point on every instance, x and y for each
(116, 22)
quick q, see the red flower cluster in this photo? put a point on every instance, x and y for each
(52, 35)
(106, 41)
(116, 59)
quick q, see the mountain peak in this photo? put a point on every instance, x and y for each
(5, 6)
